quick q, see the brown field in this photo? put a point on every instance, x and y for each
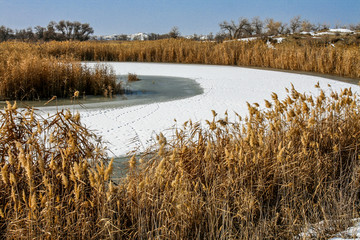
(43, 70)
(306, 55)
(26, 74)
(269, 176)
(132, 77)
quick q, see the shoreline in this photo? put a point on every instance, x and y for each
(133, 129)
(151, 89)
(354, 81)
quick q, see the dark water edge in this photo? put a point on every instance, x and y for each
(120, 168)
(121, 165)
(149, 89)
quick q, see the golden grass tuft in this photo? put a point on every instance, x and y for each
(132, 77)
(45, 187)
(281, 171)
(301, 55)
(30, 71)
(26, 74)
(289, 167)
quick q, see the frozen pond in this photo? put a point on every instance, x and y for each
(150, 89)
(131, 125)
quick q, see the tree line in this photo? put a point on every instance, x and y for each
(270, 27)
(58, 31)
(67, 30)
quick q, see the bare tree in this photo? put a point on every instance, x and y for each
(317, 27)
(354, 27)
(174, 32)
(122, 37)
(85, 32)
(154, 36)
(273, 27)
(219, 37)
(25, 34)
(50, 32)
(210, 36)
(283, 29)
(230, 28)
(5, 33)
(73, 30)
(257, 26)
(39, 32)
(306, 26)
(295, 24)
(243, 29)
(324, 26)
(66, 29)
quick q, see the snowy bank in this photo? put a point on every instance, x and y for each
(225, 88)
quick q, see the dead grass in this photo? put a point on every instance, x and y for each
(25, 74)
(43, 70)
(268, 176)
(299, 55)
(50, 186)
(132, 77)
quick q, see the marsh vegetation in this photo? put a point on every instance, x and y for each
(43, 70)
(27, 74)
(269, 175)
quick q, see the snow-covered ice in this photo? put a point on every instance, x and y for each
(225, 88)
(350, 233)
(341, 30)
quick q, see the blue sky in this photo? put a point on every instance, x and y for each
(159, 16)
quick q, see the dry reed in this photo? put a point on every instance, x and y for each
(272, 175)
(25, 74)
(42, 70)
(53, 178)
(132, 77)
(304, 55)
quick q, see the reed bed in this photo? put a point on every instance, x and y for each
(42, 70)
(300, 55)
(132, 77)
(25, 74)
(50, 186)
(274, 174)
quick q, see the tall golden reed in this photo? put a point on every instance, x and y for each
(301, 55)
(275, 174)
(26, 74)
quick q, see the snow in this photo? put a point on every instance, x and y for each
(303, 32)
(333, 32)
(225, 88)
(279, 39)
(131, 37)
(247, 39)
(340, 30)
(201, 37)
(329, 32)
(323, 33)
(107, 37)
(138, 36)
(269, 45)
(350, 233)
